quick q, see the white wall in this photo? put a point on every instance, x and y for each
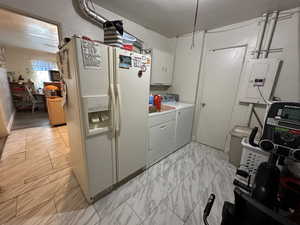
(63, 11)
(186, 66)
(245, 33)
(6, 106)
(18, 60)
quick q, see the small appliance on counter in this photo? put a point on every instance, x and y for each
(170, 98)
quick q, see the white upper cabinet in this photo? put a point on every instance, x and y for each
(162, 68)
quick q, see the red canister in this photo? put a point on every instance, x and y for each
(157, 102)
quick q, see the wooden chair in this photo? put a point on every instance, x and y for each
(32, 100)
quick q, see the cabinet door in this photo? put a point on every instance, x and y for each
(157, 67)
(184, 126)
(168, 67)
(162, 141)
(162, 67)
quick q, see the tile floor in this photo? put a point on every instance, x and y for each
(38, 187)
(27, 119)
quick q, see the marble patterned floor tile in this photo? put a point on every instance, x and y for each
(110, 202)
(166, 163)
(84, 216)
(123, 215)
(222, 187)
(196, 218)
(177, 172)
(162, 216)
(8, 210)
(73, 209)
(183, 199)
(204, 173)
(150, 174)
(145, 201)
(194, 157)
(217, 156)
(178, 154)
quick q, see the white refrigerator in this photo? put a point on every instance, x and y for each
(106, 107)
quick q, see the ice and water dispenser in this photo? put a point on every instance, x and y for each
(98, 114)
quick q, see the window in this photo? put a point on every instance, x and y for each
(41, 65)
(40, 78)
(41, 72)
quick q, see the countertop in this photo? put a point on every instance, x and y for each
(177, 106)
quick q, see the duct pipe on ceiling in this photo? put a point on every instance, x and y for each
(96, 17)
(90, 13)
(269, 39)
(261, 34)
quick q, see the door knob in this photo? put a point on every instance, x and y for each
(203, 104)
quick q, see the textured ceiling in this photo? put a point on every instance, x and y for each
(25, 32)
(175, 17)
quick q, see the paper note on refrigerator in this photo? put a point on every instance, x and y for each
(91, 54)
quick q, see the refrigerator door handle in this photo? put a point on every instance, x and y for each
(119, 99)
(113, 107)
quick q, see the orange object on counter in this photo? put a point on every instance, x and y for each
(157, 102)
(51, 87)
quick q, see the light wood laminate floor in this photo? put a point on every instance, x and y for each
(36, 180)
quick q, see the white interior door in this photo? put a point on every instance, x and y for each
(222, 71)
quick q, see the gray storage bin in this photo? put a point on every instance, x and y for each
(237, 134)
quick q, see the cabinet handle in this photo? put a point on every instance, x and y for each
(163, 127)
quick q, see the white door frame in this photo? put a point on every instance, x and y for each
(201, 86)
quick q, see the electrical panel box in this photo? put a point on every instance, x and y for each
(260, 77)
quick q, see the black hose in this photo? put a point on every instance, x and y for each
(208, 207)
